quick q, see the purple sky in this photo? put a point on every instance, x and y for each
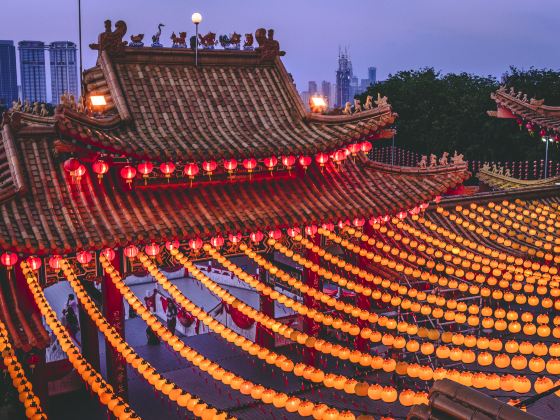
(480, 36)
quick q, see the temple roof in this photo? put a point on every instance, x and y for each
(500, 181)
(512, 104)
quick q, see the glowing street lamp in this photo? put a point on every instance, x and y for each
(196, 18)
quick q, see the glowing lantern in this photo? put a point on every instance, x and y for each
(78, 173)
(55, 262)
(230, 165)
(288, 161)
(354, 148)
(270, 162)
(195, 244)
(34, 263)
(191, 170)
(304, 161)
(249, 164)
(128, 173)
(402, 215)
(209, 166)
(293, 232)
(84, 257)
(131, 251)
(437, 199)
(358, 222)
(145, 168)
(108, 253)
(328, 226)
(321, 158)
(234, 238)
(311, 230)
(71, 165)
(217, 241)
(275, 234)
(152, 249)
(339, 156)
(170, 245)
(100, 167)
(365, 147)
(256, 236)
(167, 168)
(8, 259)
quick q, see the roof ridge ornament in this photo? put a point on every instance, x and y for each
(268, 47)
(111, 41)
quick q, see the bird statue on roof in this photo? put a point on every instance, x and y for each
(224, 40)
(155, 37)
(136, 40)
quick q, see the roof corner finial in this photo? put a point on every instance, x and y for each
(269, 48)
(111, 41)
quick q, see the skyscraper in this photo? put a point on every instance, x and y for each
(64, 72)
(8, 73)
(32, 70)
(343, 79)
(372, 75)
(312, 88)
(326, 91)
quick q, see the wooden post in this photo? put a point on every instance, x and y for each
(312, 279)
(113, 310)
(263, 336)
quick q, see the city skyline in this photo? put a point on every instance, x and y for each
(449, 36)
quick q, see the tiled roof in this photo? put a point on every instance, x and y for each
(54, 216)
(232, 105)
(502, 182)
(530, 110)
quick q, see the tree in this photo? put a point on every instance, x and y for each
(447, 112)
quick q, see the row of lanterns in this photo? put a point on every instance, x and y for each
(128, 172)
(165, 386)
(26, 396)
(533, 128)
(116, 405)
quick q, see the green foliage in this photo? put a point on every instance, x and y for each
(447, 112)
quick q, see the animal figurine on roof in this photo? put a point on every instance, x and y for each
(44, 111)
(433, 161)
(208, 41)
(27, 106)
(347, 109)
(248, 44)
(369, 103)
(155, 37)
(224, 40)
(357, 106)
(36, 108)
(444, 160)
(235, 40)
(423, 162)
(179, 41)
(111, 41)
(269, 48)
(136, 40)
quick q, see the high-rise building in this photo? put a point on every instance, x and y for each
(326, 91)
(372, 75)
(64, 71)
(354, 87)
(8, 73)
(343, 79)
(32, 70)
(312, 88)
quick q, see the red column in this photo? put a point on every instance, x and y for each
(113, 310)
(89, 337)
(312, 279)
(263, 336)
(363, 302)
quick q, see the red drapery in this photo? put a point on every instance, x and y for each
(241, 320)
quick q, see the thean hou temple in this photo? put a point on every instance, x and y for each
(308, 280)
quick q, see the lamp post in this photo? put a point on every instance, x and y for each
(196, 19)
(546, 140)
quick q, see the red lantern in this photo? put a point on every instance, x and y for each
(542, 132)
(8, 259)
(191, 170)
(275, 234)
(402, 215)
(55, 262)
(293, 232)
(128, 173)
(270, 162)
(310, 230)
(437, 199)
(358, 222)
(354, 148)
(342, 223)
(78, 173)
(424, 206)
(365, 147)
(249, 164)
(84, 257)
(209, 166)
(256, 236)
(288, 161)
(234, 238)
(100, 167)
(170, 245)
(385, 218)
(131, 251)
(321, 158)
(152, 249)
(230, 165)
(195, 244)
(145, 168)
(519, 122)
(34, 263)
(328, 226)
(108, 253)
(414, 210)
(339, 156)
(217, 241)
(167, 168)
(304, 161)
(71, 165)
